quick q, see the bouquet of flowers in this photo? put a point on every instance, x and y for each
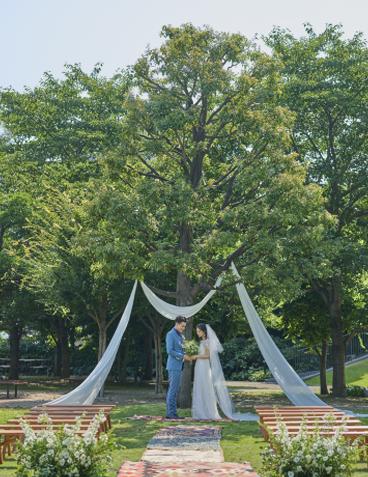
(309, 454)
(66, 452)
(191, 347)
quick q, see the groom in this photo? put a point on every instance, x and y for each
(175, 364)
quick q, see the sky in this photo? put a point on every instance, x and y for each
(43, 35)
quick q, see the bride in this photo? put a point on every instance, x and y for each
(204, 403)
(209, 387)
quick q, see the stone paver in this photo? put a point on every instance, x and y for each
(185, 451)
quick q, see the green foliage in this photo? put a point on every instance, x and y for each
(242, 360)
(325, 87)
(68, 120)
(356, 391)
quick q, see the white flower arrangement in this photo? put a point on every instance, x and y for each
(309, 454)
(65, 452)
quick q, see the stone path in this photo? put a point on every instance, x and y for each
(185, 451)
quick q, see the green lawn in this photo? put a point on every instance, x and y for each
(356, 374)
(241, 441)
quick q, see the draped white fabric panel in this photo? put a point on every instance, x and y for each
(292, 385)
(172, 311)
(87, 391)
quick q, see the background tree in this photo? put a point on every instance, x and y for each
(326, 86)
(306, 322)
(207, 136)
(17, 306)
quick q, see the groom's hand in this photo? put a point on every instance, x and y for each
(187, 358)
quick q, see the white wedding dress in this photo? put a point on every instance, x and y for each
(209, 387)
(204, 396)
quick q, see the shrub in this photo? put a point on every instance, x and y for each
(309, 454)
(356, 391)
(64, 453)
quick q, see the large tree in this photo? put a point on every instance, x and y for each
(74, 265)
(17, 306)
(326, 86)
(51, 137)
(207, 136)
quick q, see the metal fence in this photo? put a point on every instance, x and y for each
(305, 361)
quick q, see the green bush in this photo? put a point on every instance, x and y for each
(242, 360)
(356, 391)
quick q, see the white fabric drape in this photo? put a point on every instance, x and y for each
(289, 381)
(292, 385)
(172, 311)
(87, 391)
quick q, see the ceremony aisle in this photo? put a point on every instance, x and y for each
(185, 450)
(240, 441)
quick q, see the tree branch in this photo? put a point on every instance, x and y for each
(168, 294)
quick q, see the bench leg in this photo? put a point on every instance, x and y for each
(16, 390)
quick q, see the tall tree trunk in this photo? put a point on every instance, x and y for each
(338, 346)
(102, 341)
(102, 338)
(57, 359)
(123, 361)
(322, 368)
(148, 368)
(62, 336)
(332, 296)
(158, 363)
(15, 334)
(184, 297)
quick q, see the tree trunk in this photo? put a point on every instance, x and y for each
(184, 297)
(123, 361)
(332, 297)
(322, 368)
(102, 340)
(148, 368)
(338, 342)
(15, 334)
(158, 361)
(57, 359)
(62, 335)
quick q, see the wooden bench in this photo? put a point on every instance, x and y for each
(9, 437)
(59, 415)
(68, 411)
(33, 420)
(326, 419)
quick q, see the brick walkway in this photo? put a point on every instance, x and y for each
(185, 451)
